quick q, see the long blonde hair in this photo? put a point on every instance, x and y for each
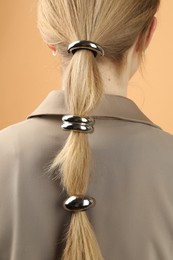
(115, 25)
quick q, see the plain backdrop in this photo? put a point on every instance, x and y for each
(28, 71)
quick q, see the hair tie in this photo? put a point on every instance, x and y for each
(86, 45)
(78, 203)
(78, 124)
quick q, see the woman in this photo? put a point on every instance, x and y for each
(127, 177)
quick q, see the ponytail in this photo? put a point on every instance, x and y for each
(83, 90)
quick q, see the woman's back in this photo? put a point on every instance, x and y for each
(131, 180)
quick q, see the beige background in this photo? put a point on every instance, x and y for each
(28, 71)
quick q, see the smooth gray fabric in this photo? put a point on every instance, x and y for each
(132, 182)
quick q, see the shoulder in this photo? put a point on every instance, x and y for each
(153, 145)
(11, 145)
(159, 137)
(151, 137)
(30, 140)
(9, 137)
(12, 136)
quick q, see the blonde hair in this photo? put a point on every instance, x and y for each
(115, 25)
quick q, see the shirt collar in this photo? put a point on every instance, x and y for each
(111, 106)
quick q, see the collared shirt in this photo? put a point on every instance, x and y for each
(131, 180)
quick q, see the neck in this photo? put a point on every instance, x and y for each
(116, 83)
(113, 84)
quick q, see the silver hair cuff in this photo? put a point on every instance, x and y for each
(78, 124)
(86, 45)
(78, 203)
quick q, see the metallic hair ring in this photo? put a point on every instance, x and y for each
(78, 203)
(78, 119)
(86, 45)
(78, 124)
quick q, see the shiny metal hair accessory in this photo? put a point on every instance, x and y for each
(86, 45)
(78, 124)
(78, 203)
